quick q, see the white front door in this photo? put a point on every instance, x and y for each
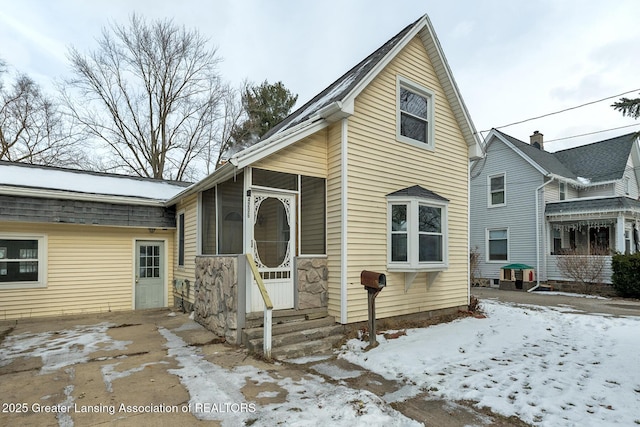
(273, 247)
(149, 273)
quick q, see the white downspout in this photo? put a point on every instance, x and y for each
(344, 218)
(620, 230)
(538, 234)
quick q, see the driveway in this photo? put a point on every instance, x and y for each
(158, 368)
(588, 304)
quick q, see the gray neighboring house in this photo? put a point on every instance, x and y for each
(530, 206)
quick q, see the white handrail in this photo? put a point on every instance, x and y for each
(268, 307)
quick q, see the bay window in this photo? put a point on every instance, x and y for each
(417, 234)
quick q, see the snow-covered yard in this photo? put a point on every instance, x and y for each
(549, 367)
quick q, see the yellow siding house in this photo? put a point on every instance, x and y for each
(371, 174)
(81, 242)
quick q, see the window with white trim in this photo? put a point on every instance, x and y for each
(417, 235)
(498, 244)
(22, 261)
(497, 193)
(563, 190)
(181, 239)
(626, 185)
(414, 114)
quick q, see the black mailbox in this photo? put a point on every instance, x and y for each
(373, 280)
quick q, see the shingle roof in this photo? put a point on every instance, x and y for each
(545, 159)
(340, 88)
(601, 161)
(598, 162)
(417, 191)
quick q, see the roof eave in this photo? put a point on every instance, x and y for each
(221, 174)
(277, 142)
(494, 134)
(10, 190)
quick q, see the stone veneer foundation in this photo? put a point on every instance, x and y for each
(313, 286)
(216, 295)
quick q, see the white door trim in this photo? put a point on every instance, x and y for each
(165, 260)
(278, 287)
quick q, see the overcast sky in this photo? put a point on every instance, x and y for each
(512, 59)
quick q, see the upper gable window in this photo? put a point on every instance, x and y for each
(497, 196)
(414, 114)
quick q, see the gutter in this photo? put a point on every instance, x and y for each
(553, 178)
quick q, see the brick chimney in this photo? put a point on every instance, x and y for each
(536, 140)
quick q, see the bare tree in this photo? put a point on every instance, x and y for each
(222, 139)
(474, 265)
(585, 269)
(32, 127)
(151, 92)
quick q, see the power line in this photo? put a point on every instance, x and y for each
(591, 133)
(561, 111)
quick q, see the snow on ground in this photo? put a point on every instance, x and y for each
(61, 348)
(571, 294)
(310, 400)
(547, 366)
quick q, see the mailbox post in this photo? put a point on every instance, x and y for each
(373, 282)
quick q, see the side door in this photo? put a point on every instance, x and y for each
(149, 275)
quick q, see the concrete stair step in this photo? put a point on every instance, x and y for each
(308, 348)
(283, 328)
(296, 337)
(256, 319)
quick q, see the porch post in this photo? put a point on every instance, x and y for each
(620, 233)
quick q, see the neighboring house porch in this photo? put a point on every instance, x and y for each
(591, 227)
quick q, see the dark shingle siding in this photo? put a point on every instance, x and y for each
(32, 209)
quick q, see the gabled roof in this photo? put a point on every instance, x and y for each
(598, 162)
(46, 181)
(339, 89)
(544, 161)
(337, 100)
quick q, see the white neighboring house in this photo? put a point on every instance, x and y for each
(530, 206)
